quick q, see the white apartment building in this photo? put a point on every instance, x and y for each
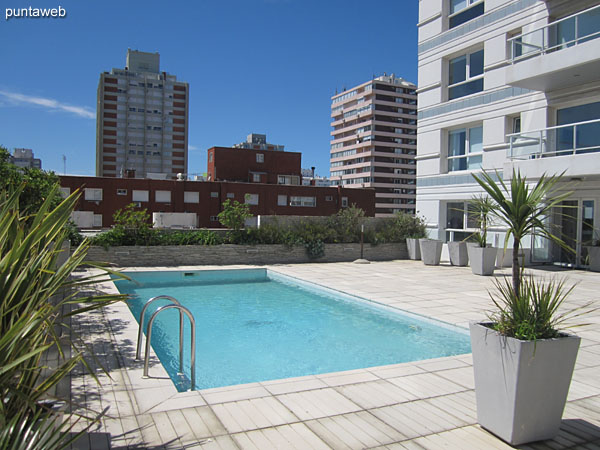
(24, 157)
(142, 121)
(509, 85)
(373, 142)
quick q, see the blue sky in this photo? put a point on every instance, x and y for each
(264, 66)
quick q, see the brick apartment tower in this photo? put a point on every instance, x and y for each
(374, 141)
(142, 121)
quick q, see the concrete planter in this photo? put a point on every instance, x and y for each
(458, 253)
(521, 386)
(594, 256)
(431, 251)
(482, 259)
(414, 249)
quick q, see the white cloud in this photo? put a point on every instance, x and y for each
(54, 105)
(193, 147)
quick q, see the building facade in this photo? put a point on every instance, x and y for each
(253, 166)
(23, 157)
(374, 141)
(142, 120)
(103, 196)
(509, 85)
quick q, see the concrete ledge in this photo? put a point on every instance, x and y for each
(176, 255)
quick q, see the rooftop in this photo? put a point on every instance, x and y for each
(422, 404)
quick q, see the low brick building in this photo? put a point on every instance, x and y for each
(103, 196)
(254, 166)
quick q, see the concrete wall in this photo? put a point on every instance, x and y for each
(239, 254)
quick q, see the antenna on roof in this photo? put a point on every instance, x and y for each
(64, 164)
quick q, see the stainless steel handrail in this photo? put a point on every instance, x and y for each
(140, 334)
(182, 310)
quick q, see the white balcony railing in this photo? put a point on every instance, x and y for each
(571, 139)
(567, 32)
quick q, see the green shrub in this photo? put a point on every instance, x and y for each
(399, 228)
(234, 214)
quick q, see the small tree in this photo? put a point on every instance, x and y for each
(132, 225)
(234, 214)
(524, 211)
(480, 209)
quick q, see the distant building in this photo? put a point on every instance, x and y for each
(310, 179)
(103, 196)
(254, 166)
(23, 157)
(256, 141)
(142, 120)
(374, 141)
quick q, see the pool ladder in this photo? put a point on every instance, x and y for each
(182, 310)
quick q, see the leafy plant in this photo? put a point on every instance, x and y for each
(524, 210)
(234, 214)
(314, 248)
(533, 313)
(37, 298)
(347, 224)
(480, 209)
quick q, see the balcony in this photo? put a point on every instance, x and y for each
(561, 54)
(572, 148)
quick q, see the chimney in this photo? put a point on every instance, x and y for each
(313, 171)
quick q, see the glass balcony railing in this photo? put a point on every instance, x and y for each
(567, 32)
(571, 139)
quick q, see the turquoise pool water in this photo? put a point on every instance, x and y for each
(257, 325)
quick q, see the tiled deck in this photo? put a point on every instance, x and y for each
(425, 404)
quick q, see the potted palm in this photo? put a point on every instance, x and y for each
(522, 361)
(481, 256)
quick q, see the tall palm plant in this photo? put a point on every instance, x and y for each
(524, 209)
(37, 297)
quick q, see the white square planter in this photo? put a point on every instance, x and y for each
(414, 250)
(458, 253)
(431, 251)
(521, 387)
(482, 259)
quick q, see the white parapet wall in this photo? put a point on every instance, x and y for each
(174, 220)
(83, 219)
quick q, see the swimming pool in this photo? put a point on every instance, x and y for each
(258, 325)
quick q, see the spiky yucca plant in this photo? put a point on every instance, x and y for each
(37, 297)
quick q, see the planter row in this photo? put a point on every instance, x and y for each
(482, 259)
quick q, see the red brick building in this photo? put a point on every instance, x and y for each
(254, 166)
(103, 196)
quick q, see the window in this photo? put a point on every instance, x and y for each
(328, 198)
(460, 216)
(97, 220)
(139, 196)
(516, 124)
(162, 196)
(465, 75)
(230, 195)
(344, 202)
(93, 194)
(214, 195)
(251, 199)
(64, 192)
(256, 177)
(214, 218)
(303, 201)
(210, 157)
(465, 149)
(191, 197)
(288, 179)
(121, 191)
(260, 157)
(282, 200)
(462, 11)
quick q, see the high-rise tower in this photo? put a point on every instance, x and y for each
(374, 141)
(142, 120)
